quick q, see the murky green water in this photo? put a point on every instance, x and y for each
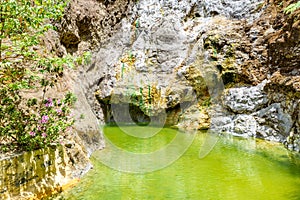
(235, 169)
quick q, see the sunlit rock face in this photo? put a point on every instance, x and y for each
(160, 57)
(40, 173)
(237, 9)
(253, 114)
(159, 64)
(168, 62)
(245, 99)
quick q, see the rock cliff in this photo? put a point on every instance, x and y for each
(168, 61)
(231, 66)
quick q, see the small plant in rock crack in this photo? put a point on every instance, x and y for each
(292, 8)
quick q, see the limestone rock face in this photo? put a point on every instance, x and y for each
(169, 62)
(242, 125)
(251, 114)
(245, 99)
(86, 126)
(87, 23)
(275, 120)
(164, 60)
(40, 173)
(232, 9)
(166, 55)
(284, 89)
(161, 58)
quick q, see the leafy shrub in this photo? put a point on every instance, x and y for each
(35, 126)
(27, 124)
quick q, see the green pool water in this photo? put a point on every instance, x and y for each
(235, 169)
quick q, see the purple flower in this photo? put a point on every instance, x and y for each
(31, 133)
(45, 119)
(49, 103)
(44, 135)
(59, 111)
(58, 101)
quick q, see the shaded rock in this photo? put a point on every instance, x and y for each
(275, 123)
(199, 118)
(283, 89)
(274, 117)
(90, 22)
(87, 125)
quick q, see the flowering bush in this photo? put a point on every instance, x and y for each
(28, 124)
(38, 126)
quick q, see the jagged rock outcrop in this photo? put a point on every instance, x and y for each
(284, 90)
(245, 99)
(160, 55)
(167, 62)
(162, 60)
(263, 49)
(171, 54)
(88, 23)
(252, 113)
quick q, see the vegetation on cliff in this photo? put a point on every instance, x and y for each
(292, 7)
(29, 122)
